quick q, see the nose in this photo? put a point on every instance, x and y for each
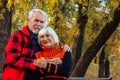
(40, 23)
(44, 38)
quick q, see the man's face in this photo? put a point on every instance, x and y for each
(36, 22)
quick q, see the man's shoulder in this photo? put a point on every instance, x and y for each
(23, 31)
(16, 33)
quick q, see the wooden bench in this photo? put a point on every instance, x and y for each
(80, 78)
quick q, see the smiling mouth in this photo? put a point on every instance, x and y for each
(45, 42)
(36, 28)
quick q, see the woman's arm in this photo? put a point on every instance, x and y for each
(61, 69)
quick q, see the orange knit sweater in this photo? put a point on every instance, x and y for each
(50, 53)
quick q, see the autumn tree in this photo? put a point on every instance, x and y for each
(81, 22)
(5, 28)
(91, 52)
(104, 64)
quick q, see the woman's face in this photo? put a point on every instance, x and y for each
(47, 40)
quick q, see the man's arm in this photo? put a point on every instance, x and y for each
(14, 55)
(66, 48)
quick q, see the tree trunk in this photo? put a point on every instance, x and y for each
(77, 47)
(83, 63)
(107, 68)
(5, 30)
(101, 63)
(104, 69)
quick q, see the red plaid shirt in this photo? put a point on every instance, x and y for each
(19, 50)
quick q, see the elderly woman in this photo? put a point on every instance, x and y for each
(53, 62)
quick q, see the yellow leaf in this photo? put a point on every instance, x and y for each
(1, 16)
(114, 3)
(84, 2)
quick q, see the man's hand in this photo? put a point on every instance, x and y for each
(41, 63)
(66, 48)
(56, 60)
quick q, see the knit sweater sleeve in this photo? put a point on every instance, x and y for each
(61, 69)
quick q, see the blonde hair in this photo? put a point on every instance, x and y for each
(48, 30)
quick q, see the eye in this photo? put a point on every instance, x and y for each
(47, 35)
(42, 36)
(41, 21)
(36, 20)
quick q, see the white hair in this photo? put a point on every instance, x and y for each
(38, 10)
(48, 30)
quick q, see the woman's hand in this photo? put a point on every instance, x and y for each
(56, 60)
(41, 63)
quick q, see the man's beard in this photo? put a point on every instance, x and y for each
(35, 31)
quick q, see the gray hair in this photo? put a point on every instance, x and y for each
(38, 10)
(48, 30)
